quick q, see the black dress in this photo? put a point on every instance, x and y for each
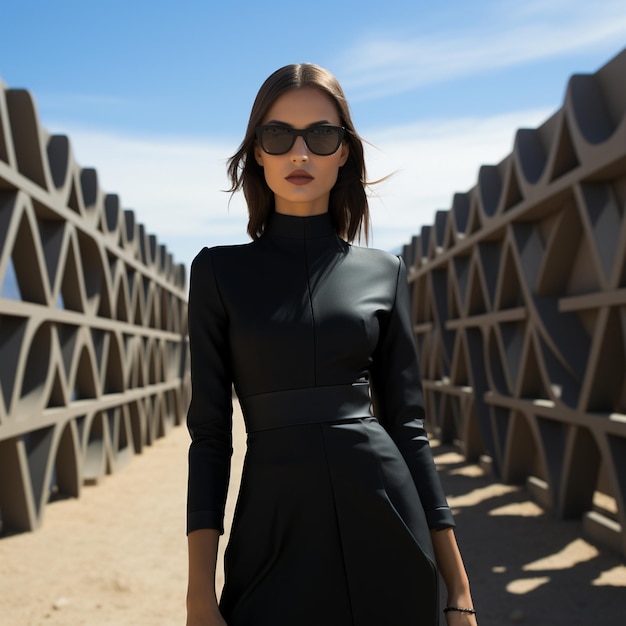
(332, 521)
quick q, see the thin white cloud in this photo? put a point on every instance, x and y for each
(505, 36)
(432, 161)
(174, 187)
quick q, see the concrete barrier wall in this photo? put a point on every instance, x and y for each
(93, 349)
(519, 306)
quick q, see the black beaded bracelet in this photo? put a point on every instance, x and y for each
(459, 609)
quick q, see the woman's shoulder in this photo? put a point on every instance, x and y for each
(215, 254)
(377, 257)
(218, 260)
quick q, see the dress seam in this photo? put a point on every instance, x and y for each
(310, 292)
(339, 534)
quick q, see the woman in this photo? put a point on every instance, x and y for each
(340, 517)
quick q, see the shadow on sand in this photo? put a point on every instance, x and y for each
(525, 566)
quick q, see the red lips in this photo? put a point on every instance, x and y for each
(299, 177)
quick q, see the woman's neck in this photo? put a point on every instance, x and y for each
(301, 209)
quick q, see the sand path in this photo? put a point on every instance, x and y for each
(117, 555)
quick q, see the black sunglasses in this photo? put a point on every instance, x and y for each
(321, 140)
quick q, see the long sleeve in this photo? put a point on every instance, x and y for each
(399, 403)
(209, 418)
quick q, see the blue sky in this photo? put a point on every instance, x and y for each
(155, 95)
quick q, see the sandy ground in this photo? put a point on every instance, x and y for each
(117, 555)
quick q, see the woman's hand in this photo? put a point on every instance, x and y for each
(453, 572)
(202, 606)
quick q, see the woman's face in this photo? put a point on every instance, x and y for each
(301, 181)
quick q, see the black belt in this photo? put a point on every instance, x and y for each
(311, 405)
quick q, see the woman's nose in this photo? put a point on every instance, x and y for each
(299, 150)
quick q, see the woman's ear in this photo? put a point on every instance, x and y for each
(345, 153)
(258, 154)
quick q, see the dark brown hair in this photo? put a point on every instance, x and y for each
(348, 205)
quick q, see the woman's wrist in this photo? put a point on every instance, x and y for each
(460, 603)
(202, 599)
(460, 600)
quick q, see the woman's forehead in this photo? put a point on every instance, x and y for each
(303, 107)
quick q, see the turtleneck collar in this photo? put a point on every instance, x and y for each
(295, 227)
